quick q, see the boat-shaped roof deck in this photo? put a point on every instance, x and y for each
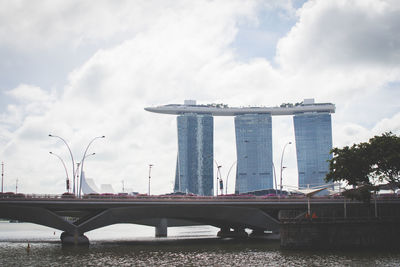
(224, 110)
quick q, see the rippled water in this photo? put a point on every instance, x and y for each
(131, 245)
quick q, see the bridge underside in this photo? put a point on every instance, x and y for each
(75, 222)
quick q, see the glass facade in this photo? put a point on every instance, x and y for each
(254, 152)
(313, 133)
(194, 167)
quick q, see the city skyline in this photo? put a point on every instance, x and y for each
(254, 154)
(90, 70)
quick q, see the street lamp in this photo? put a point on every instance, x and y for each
(76, 177)
(218, 173)
(77, 169)
(82, 161)
(227, 176)
(65, 168)
(72, 158)
(2, 176)
(276, 185)
(178, 165)
(283, 152)
(150, 165)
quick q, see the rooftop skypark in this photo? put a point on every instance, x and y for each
(190, 106)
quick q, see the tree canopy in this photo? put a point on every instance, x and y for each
(385, 153)
(366, 163)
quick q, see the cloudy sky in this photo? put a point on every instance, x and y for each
(81, 69)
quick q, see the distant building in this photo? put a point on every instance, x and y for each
(253, 127)
(106, 189)
(194, 170)
(313, 133)
(89, 186)
(254, 152)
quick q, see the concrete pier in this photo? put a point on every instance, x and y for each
(226, 232)
(75, 239)
(261, 234)
(162, 228)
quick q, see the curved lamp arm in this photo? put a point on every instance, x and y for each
(65, 168)
(227, 176)
(82, 161)
(72, 157)
(283, 152)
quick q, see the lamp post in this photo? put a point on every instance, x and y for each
(276, 185)
(178, 165)
(83, 160)
(65, 168)
(76, 177)
(77, 169)
(72, 158)
(150, 165)
(283, 152)
(218, 174)
(2, 176)
(227, 176)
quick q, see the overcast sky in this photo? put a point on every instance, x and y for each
(81, 69)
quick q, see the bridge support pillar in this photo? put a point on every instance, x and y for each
(74, 239)
(240, 233)
(162, 228)
(258, 233)
(226, 232)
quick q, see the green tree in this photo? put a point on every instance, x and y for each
(366, 163)
(385, 153)
(350, 164)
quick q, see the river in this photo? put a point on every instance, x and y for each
(134, 245)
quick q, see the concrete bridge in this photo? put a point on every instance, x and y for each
(231, 215)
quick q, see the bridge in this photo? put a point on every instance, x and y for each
(231, 214)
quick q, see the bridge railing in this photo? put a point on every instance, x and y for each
(28, 196)
(122, 196)
(339, 219)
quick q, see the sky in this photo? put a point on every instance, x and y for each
(80, 69)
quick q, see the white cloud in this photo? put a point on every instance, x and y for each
(107, 95)
(343, 34)
(43, 24)
(165, 52)
(29, 93)
(388, 125)
(30, 101)
(40, 25)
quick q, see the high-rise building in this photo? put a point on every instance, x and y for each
(254, 169)
(313, 134)
(194, 170)
(254, 152)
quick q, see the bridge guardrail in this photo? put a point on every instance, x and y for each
(119, 197)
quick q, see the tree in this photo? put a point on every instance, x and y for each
(385, 151)
(351, 164)
(364, 164)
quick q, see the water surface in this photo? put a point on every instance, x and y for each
(133, 245)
